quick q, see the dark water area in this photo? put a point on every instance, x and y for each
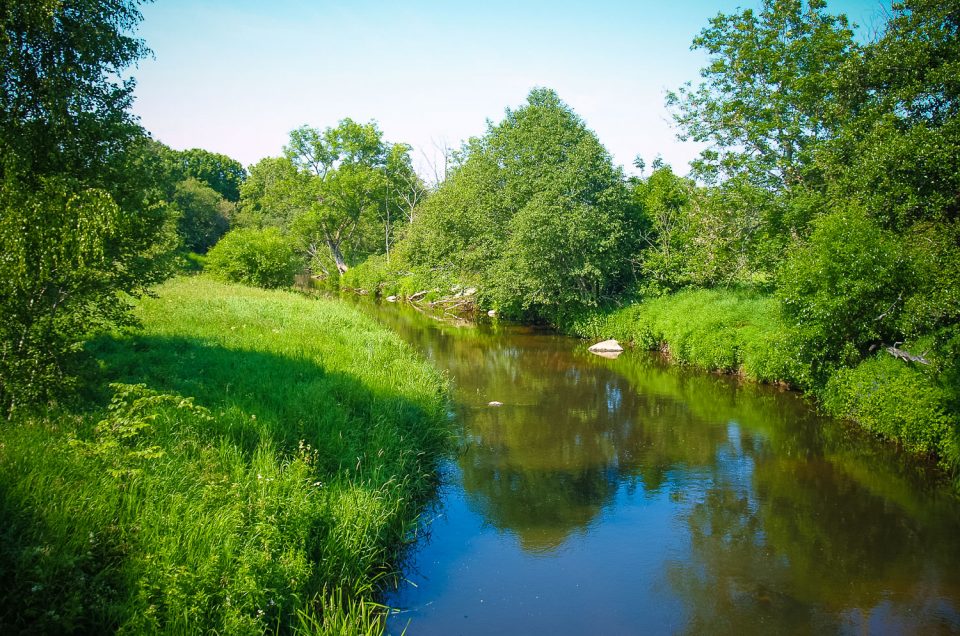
(629, 496)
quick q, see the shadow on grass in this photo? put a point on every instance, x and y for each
(60, 573)
(71, 557)
(258, 397)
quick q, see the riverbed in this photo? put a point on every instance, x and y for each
(629, 495)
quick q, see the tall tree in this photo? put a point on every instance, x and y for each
(77, 221)
(350, 176)
(764, 99)
(536, 212)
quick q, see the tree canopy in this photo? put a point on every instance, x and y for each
(78, 222)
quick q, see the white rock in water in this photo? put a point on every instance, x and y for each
(495, 403)
(492, 313)
(391, 299)
(607, 346)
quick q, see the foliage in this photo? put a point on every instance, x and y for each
(899, 148)
(63, 101)
(841, 290)
(536, 212)
(899, 401)
(763, 102)
(559, 257)
(219, 172)
(80, 225)
(666, 202)
(204, 214)
(60, 279)
(350, 181)
(264, 258)
(268, 196)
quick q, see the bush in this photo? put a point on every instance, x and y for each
(899, 402)
(839, 291)
(255, 257)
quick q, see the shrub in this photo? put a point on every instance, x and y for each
(899, 402)
(839, 291)
(255, 257)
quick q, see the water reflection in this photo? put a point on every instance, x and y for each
(657, 499)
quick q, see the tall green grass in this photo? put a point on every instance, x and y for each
(262, 461)
(732, 331)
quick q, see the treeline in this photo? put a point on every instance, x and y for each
(826, 198)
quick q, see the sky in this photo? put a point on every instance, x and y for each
(236, 76)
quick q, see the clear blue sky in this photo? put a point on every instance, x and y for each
(235, 76)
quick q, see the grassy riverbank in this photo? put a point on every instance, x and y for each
(262, 459)
(742, 332)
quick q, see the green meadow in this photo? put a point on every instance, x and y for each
(248, 462)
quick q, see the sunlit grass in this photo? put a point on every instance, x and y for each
(264, 458)
(715, 329)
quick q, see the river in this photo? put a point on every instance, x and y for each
(629, 496)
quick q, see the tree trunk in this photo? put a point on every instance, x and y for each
(337, 255)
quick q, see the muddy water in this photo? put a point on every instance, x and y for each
(629, 496)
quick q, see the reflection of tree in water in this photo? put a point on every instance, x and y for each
(802, 547)
(794, 525)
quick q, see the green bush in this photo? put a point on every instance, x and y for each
(899, 402)
(256, 257)
(840, 291)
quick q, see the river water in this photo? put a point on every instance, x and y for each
(629, 496)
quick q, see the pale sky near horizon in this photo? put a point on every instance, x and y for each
(236, 76)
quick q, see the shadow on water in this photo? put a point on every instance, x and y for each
(629, 495)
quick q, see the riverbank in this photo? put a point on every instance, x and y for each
(742, 333)
(255, 465)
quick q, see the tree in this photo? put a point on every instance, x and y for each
(204, 214)
(220, 172)
(79, 224)
(666, 202)
(268, 197)
(899, 146)
(350, 176)
(63, 102)
(536, 213)
(764, 101)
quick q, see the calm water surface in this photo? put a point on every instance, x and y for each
(627, 496)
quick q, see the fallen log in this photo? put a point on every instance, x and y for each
(905, 355)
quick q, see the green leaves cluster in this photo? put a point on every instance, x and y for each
(536, 213)
(263, 258)
(340, 194)
(81, 226)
